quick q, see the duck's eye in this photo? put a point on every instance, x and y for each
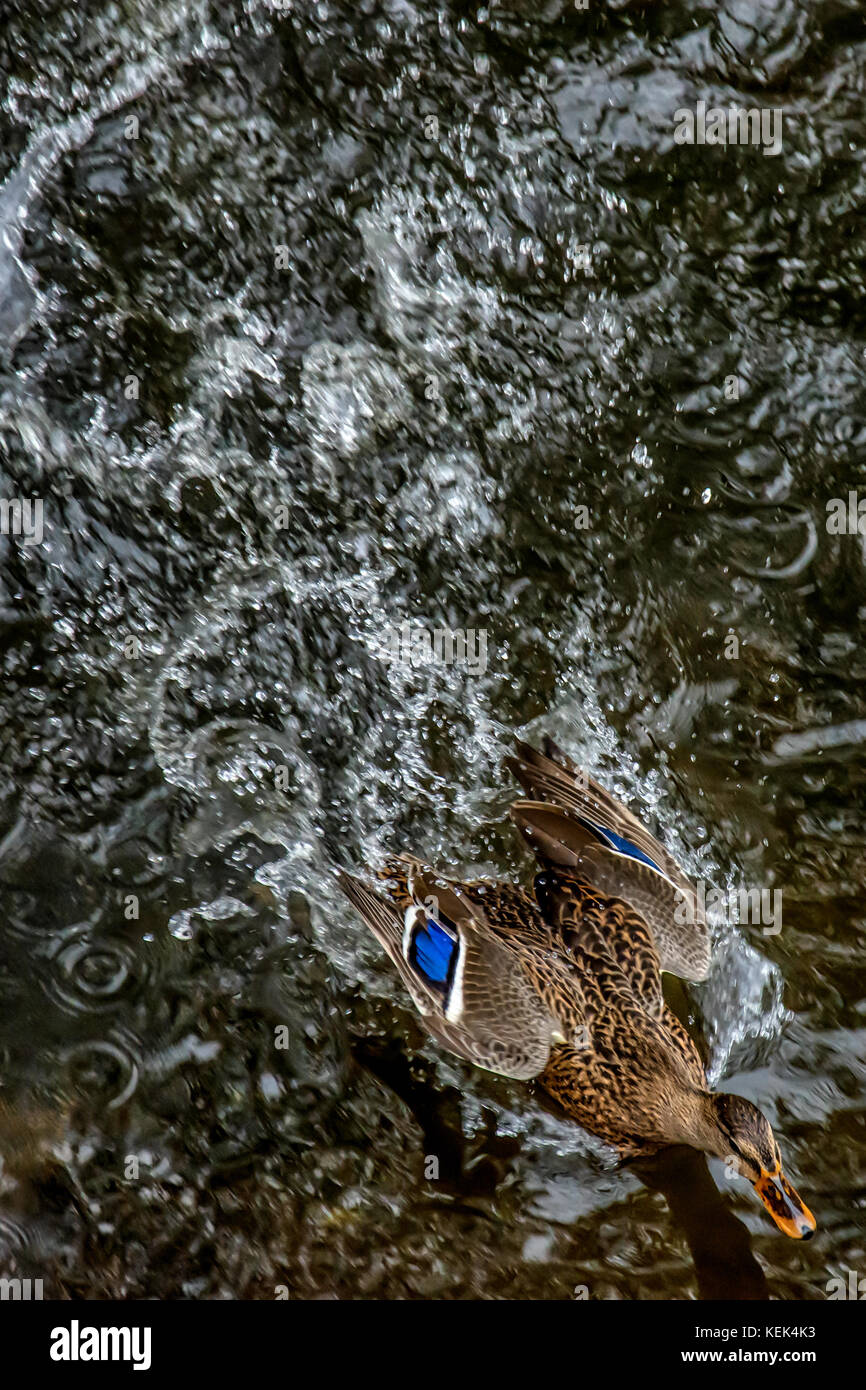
(738, 1151)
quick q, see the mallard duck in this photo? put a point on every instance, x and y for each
(564, 984)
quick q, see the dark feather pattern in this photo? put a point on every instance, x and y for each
(564, 983)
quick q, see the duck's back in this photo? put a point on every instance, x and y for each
(638, 1054)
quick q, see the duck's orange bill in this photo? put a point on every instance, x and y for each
(784, 1204)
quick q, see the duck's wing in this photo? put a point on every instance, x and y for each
(551, 776)
(473, 995)
(573, 822)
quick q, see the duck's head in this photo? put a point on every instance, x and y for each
(745, 1137)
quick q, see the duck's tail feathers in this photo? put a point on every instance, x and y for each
(383, 918)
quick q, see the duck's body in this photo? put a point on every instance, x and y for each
(564, 984)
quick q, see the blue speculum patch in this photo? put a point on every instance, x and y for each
(432, 952)
(619, 842)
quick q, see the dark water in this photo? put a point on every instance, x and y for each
(317, 319)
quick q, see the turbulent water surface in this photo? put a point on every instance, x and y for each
(316, 320)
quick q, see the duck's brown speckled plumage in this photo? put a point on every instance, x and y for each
(563, 984)
(592, 959)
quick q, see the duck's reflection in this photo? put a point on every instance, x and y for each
(718, 1241)
(466, 1170)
